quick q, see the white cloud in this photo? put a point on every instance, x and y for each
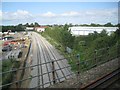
(71, 13)
(75, 17)
(48, 14)
(0, 15)
(18, 15)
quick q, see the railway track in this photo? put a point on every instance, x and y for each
(47, 66)
(104, 81)
(41, 58)
(45, 53)
(54, 55)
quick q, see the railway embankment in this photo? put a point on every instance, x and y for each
(89, 76)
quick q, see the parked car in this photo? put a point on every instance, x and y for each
(7, 48)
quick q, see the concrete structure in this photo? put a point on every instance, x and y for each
(76, 31)
(40, 29)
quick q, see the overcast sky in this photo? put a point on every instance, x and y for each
(59, 12)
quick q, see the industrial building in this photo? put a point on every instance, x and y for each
(76, 31)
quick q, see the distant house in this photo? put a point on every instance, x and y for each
(40, 29)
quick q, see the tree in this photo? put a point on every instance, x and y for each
(27, 25)
(70, 25)
(19, 27)
(36, 24)
(92, 24)
(103, 33)
(31, 25)
(67, 38)
(109, 25)
(117, 35)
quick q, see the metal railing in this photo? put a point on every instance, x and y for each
(80, 65)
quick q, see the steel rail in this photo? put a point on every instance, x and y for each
(45, 58)
(56, 62)
(55, 79)
(101, 80)
(48, 48)
(55, 58)
(39, 61)
(50, 64)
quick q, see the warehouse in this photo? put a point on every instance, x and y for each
(76, 31)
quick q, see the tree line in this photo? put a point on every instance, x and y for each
(85, 45)
(21, 27)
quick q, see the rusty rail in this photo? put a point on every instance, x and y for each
(104, 81)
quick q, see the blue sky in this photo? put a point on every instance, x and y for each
(36, 7)
(59, 12)
(60, 0)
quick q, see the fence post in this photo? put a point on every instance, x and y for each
(78, 63)
(118, 50)
(78, 67)
(17, 83)
(95, 56)
(108, 53)
(17, 87)
(53, 72)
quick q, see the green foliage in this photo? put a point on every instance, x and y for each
(61, 35)
(99, 25)
(108, 25)
(18, 28)
(6, 66)
(0, 28)
(67, 38)
(93, 48)
(36, 24)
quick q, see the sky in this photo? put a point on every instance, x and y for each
(60, 0)
(13, 13)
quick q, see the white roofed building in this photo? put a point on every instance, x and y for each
(76, 31)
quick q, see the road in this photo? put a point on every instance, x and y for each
(42, 52)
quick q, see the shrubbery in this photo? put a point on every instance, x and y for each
(85, 46)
